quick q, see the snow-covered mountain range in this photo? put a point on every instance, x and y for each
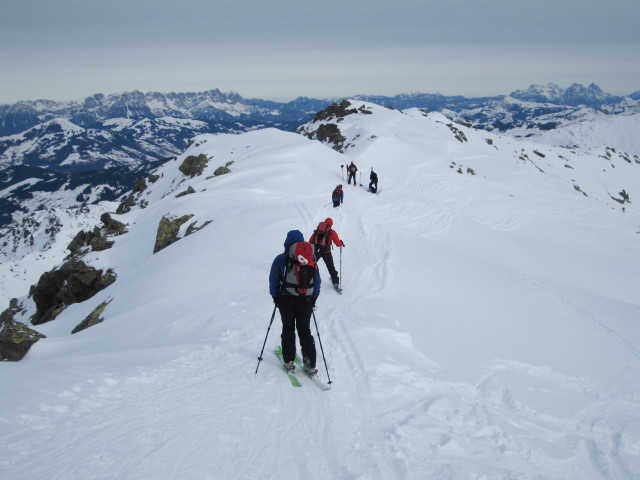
(124, 135)
(488, 326)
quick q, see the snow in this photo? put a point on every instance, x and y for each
(12, 188)
(488, 327)
(593, 132)
(118, 124)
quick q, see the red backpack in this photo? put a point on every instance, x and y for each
(301, 270)
(323, 236)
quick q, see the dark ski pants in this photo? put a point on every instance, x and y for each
(351, 175)
(296, 315)
(328, 261)
(336, 203)
(373, 186)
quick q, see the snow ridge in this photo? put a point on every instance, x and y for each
(488, 327)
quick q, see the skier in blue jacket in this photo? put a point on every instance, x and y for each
(295, 311)
(337, 196)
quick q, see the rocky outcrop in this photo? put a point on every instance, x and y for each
(168, 230)
(624, 197)
(190, 190)
(16, 338)
(126, 205)
(192, 228)
(111, 226)
(193, 166)
(222, 170)
(337, 110)
(96, 239)
(94, 318)
(329, 132)
(57, 289)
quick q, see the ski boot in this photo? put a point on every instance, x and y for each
(308, 368)
(290, 366)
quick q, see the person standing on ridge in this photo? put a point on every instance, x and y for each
(322, 238)
(337, 196)
(296, 304)
(373, 181)
(351, 171)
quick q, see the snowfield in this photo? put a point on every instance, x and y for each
(488, 328)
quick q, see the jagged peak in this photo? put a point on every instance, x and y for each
(574, 95)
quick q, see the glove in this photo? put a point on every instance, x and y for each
(312, 301)
(343, 245)
(275, 301)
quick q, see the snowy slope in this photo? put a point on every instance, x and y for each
(488, 327)
(590, 131)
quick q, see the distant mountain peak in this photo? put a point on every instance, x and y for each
(574, 95)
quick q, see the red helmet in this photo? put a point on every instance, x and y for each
(329, 221)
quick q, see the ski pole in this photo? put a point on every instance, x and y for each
(342, 170)
(328, 203)
(321, 349)
(340, 283)
(265, 338)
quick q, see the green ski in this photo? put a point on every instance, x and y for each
(292, 376)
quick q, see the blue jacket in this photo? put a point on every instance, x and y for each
(277, 273)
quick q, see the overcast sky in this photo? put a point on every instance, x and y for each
(281, 49)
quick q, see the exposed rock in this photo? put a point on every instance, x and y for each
(140, 186)
(90, 238)
(221, 171)
(74, 282)
(126, 204)
(16, 338)
(94, 318)
(337, 110)
(329, 132)
(168, 229)
(78, 242)
(193, 165)
(111, 226)
(624, 197)
(130, 201)
(459, 134)
(188, 191)
(192, 227)
(96, 239)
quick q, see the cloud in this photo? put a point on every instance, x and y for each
(71, 48)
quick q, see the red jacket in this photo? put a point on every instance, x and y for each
(333, 238)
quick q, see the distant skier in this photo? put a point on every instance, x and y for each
(323, 237)
(373, 181)
(351, 172)
(295, 303)
(337, 196)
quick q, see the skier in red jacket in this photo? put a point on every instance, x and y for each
(323, 238)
